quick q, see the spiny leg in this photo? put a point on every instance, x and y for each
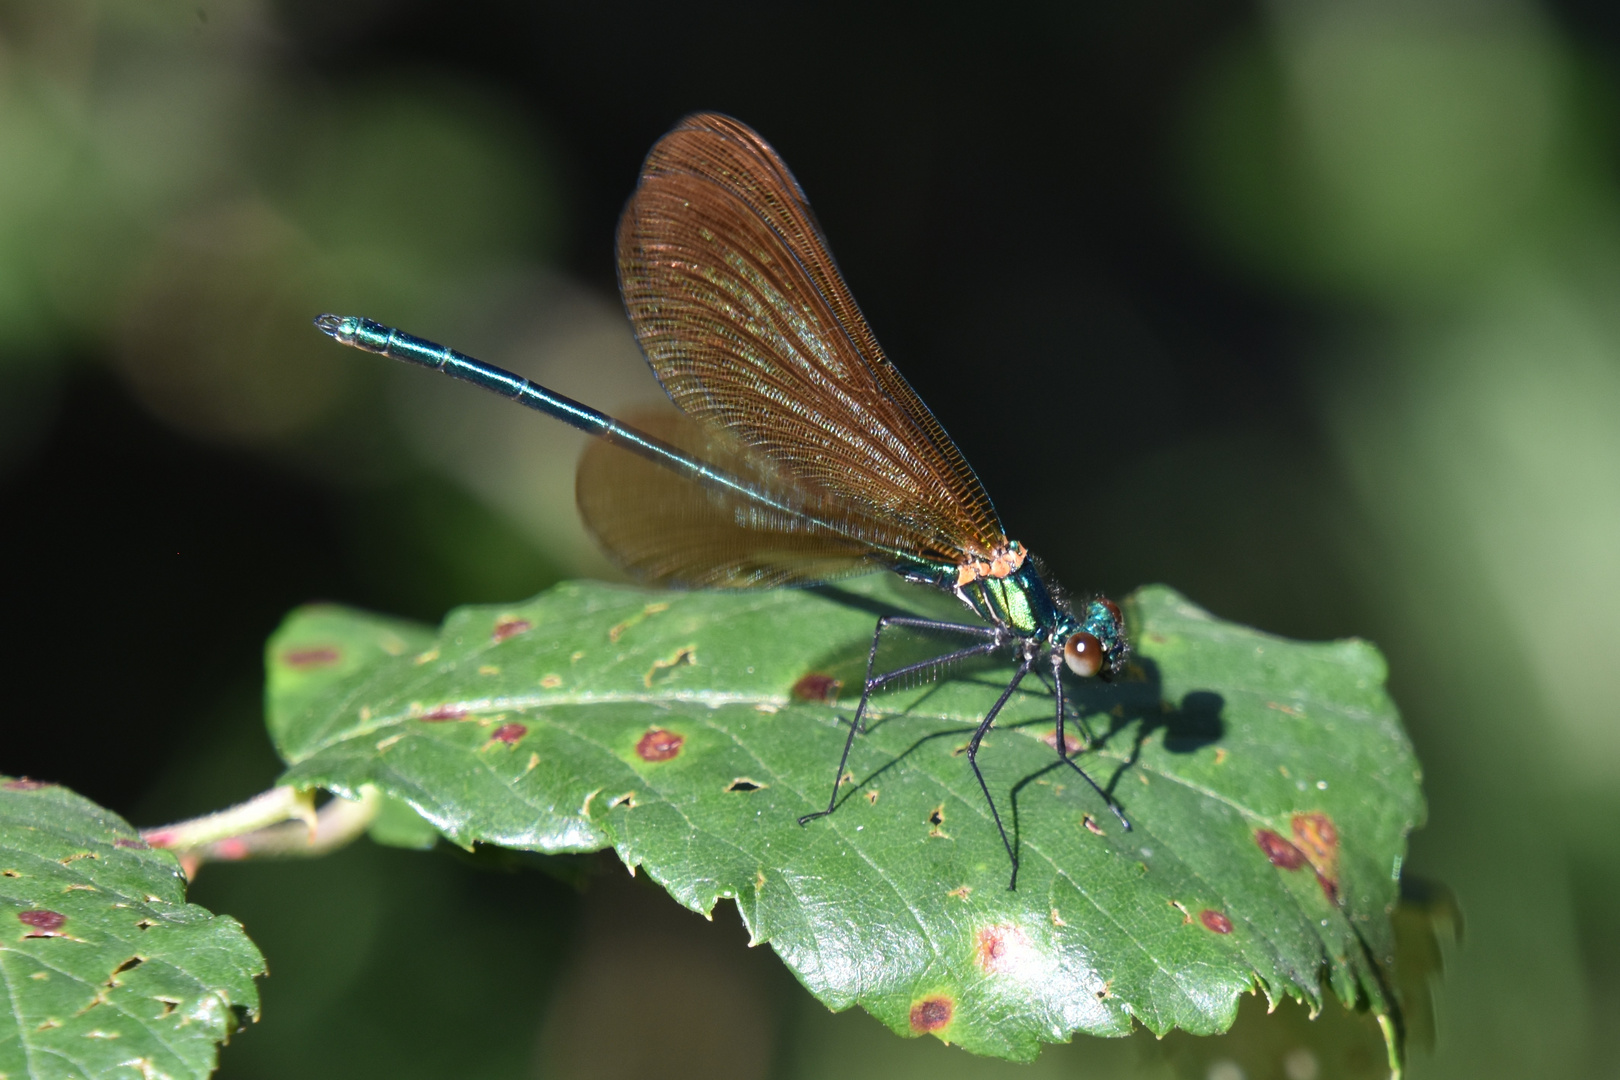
(1063, 744)
(877, 682)
(973, 760)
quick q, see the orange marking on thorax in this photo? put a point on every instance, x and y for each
(1002, 562)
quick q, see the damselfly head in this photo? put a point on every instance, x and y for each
(1099, 647)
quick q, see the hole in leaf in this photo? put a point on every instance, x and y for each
(743, 783)
(169, 1004)
(129, 965)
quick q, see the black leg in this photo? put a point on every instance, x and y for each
(1063, 744)
(995, 634)
(973, 760)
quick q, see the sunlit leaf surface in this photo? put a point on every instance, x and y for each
(107, 971)
(1269, 782)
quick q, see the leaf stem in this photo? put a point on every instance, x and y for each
(280, 823)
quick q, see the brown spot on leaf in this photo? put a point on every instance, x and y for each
(444, 712)
(509, 733)
(872, 796)
(25, 784)
(743, 783)
(1091, 824)
(509, 628)
(1071, 742)
(314, 656)
(1279, 851)
(996, 948)
(1215, 920)
(960, 892)
(42, 923)
(659, 745)
(1220, 755)
(1316, 835)
(128, 842)
(931, 1014)
(550, 682)
(817, 686)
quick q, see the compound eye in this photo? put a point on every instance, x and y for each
(1113, 609)
(1084, 654)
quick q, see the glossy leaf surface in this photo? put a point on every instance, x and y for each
(1269, 782)
(108, 971)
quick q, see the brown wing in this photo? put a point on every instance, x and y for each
(746, 321)
(665, 528)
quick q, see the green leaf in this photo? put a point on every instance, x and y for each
(1269, 782)
(107, 970)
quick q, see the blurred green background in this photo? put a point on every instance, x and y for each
(1314, 311)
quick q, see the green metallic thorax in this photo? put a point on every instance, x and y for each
(1021, 601)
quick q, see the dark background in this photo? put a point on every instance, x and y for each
(1246, 300)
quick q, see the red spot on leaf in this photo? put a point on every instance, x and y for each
(659, 745)
(124, 841)
(445, 712)
(1215, 920)
(817, 686)
(996, 948)
(25, 784)
(510, 628)
(314, 657)
(1330, 888)
(1279, 851)
(931, 1014)
(44, 923)
(509, 733)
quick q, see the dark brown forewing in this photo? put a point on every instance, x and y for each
(746, 321)
(666, 529)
